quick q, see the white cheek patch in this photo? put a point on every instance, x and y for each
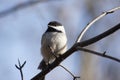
(60, 28)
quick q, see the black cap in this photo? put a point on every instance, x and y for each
(54, 23)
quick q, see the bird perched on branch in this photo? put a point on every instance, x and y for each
(53, 44)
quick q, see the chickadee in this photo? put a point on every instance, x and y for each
(53, 43)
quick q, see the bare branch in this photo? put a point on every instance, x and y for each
(99, 37)
(79, 44)
(98, 53)
(96, 19)
(20, 68)
(20, 6)
(74, 77)
(73, 49)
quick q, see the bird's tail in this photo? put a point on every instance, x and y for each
(42, 66)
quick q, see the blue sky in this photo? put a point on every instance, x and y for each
(21, 31)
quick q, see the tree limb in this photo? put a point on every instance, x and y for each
(81, 44)
(75, 48)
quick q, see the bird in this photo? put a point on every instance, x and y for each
(53, 44)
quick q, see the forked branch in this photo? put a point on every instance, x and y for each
(78, 45)
(95, 20)
(20, 67)
(75, 48)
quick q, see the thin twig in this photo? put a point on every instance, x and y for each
(98, 53)
(99, 37)
(19, 67)
(69, 72)
(92, 22)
